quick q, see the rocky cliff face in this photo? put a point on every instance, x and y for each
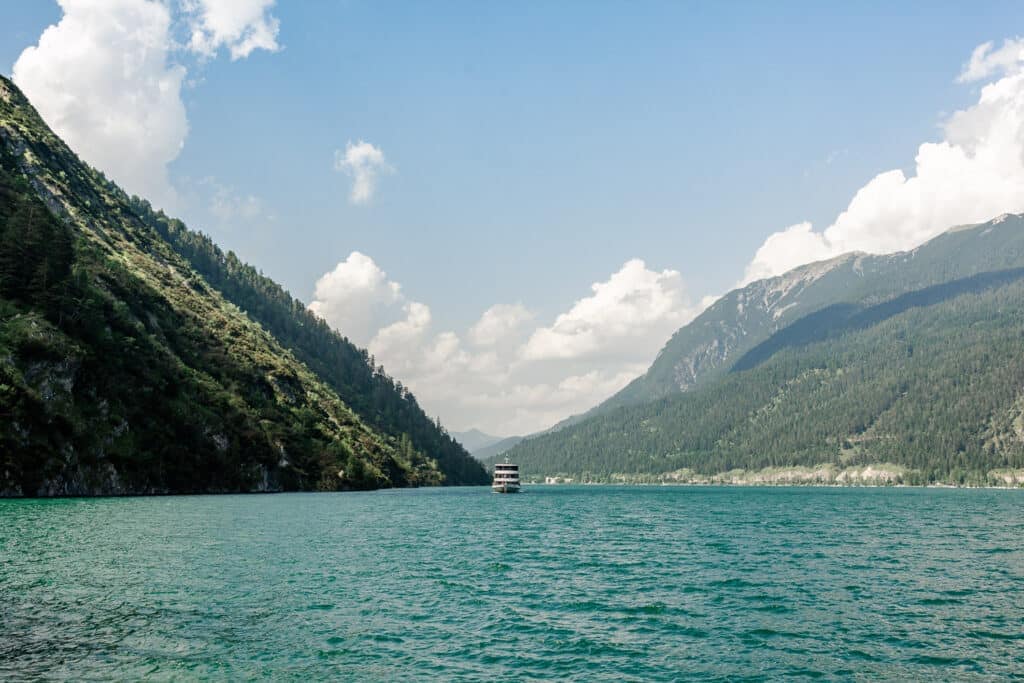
(752, 313)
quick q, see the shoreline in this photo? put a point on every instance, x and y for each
(526, 485)
(767, 485)
(880, 474)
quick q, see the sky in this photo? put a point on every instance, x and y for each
(514, 205)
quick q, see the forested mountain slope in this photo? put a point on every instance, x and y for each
(123, 371)
(377, 399)
(926, 377)
(707, 347)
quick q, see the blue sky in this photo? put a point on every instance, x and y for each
(536, 147)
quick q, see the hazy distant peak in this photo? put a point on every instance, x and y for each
(473, 439)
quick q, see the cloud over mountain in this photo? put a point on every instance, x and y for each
(974, 173)
(357, 298)
(108, 79)
(101, 78)
(634, 306)
(506, 373)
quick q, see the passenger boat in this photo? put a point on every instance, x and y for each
(506, 477)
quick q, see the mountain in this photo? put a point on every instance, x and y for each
(705, 348)
(914, 360)
(473, 439)
(491, 452)
(379, 400)
(485, 446)
(136, 357)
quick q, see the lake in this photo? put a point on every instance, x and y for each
(559, 583)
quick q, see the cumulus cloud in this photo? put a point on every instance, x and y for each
(986, 61)
(364, 163)
(505, 373)
(499, 323)
(357, 298)
(974, 173)
(525, 406)
(105, 79)
(396, 340)
(784, 250)
(241, 26)
(635, 306)
(100, 78)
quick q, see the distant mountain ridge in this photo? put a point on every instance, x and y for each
(491, 452)
(474, 439)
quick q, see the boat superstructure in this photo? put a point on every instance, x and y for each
(506, 478)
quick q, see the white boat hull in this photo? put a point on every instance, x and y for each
(505, 488)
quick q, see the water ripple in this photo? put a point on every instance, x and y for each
(562, 583)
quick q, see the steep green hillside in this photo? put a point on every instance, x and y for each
(706, 348)
(930, 381)
(377, 399)
(122, 370)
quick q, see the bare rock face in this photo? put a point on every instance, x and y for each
(101, 480)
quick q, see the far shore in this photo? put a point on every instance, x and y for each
(783, 484)
(875, 475)
(766, 485)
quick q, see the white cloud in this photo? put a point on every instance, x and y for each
(105, 80)
(635, 307)
(499, 323)
(524, 407)
(356, 298)
(363, 162)
(394, 340)
(796, 245)
(985, 61)
(100, 78)
(512, 376)
(229, 206)
(975, 173)
(239, 25)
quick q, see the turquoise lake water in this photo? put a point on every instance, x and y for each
(560, 583)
